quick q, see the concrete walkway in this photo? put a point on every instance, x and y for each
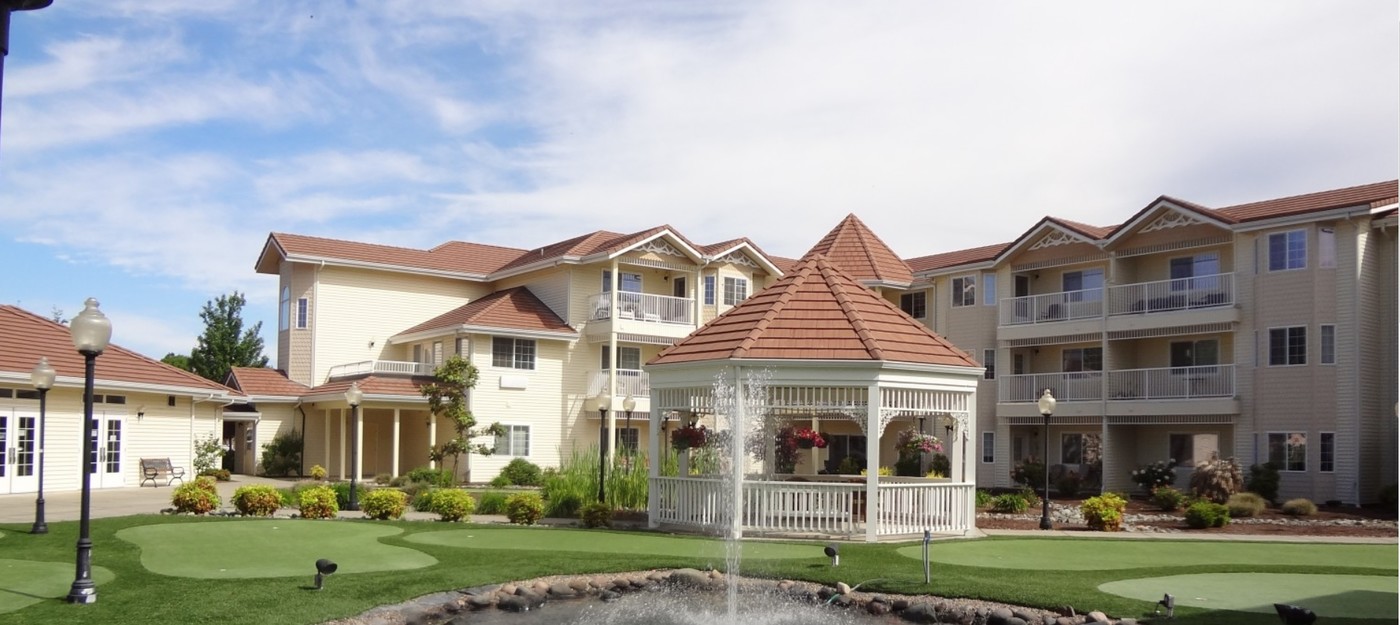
(115, 502)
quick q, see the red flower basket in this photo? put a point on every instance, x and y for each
(808, 438)
(690, 437)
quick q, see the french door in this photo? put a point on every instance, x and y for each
(107, 450)
(19, 452)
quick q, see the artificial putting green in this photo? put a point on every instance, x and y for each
(26, 582)
(544, 539)
(269, 548)
(1328, 596)
(1103, 555)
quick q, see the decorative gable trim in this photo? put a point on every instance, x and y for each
(738, 259)
(660, 246)
(1171, 219)
(1055, 238)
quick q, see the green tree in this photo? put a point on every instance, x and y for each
(447, 397)
(225, 344)
(179, 361)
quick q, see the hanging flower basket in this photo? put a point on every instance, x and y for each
(807, 438)
(690, 437)
(911, 442)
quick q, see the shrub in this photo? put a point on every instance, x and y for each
(208, 451)
(318, 472)
(198, 497)
(221, 475)
(383, 479)
(342, 493)
(259, 500)
(1029, 472)
(850, 465)
(422, 501)
(1263, 480)
(941, 465)
(289, 496)
(1203, 514)
(1242, 505)
(282, 456)
(525, 508)
(1010, 503)
(436, 477)
(596, 514)
(522, 472)
(984, 498)
(882, 471)
(1155, 475)
(1298, 507)
(453, 504)
(1068, 484)
(1168, 499)
(318, 502)
(491, 502)
(1104, 513)
(1388, 495)
(1027, 493)
(1217, 479)
(384, 503)
(500, 481)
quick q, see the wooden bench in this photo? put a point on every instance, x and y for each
(160, 468)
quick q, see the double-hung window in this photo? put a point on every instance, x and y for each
(989, 362)
(284, 309)
(512, 353)
(1327, 448)
(1288, 250)
(1288, 346)
(1081, 359)
(913, 304)
(1327, 354)
(1289, 450)
(627, 358)
(989, 289)
(513, 441)
(1082, 286)
(709, 290)
(302, 306)
(1190, 273)
(988, 449)
(735, 290)
(964, 291)
(628, 282)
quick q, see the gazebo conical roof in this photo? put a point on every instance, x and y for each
(816, 311)
(853, 247)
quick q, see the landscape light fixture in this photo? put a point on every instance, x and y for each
(90, 330)
(42, 376)
(834, 552)
(604, 403)
(1168, 602)
(354, 396)
(1047, 408)
(324, 568)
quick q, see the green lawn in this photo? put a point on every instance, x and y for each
(455, 558)
(1068, 555)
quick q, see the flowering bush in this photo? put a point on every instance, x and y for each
(807, 438)
(912, 442)
(690, 437)
(1155, 475)
(1029, 472)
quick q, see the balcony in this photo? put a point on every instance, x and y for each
(381, 367)
(641, 313)
(1126, 392)
(1172, 383)
(1066, 387)
(632, 382)
(1197, 300)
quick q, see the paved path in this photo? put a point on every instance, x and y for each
(127, 501)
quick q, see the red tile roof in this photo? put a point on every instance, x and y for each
(816, 312)
(859, 252)
(25, 337)
(452, 257)
(1363, 195)
(511, 309)
(959, 257)
(374, 385)
(1092, 232)
(265, 382)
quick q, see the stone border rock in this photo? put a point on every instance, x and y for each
(521, 596)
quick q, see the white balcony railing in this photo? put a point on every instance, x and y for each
(1071, 386)
(1122, 385)
(632, 382)
(643, 307)
(1172, 383)
(381, 367)
(1172, 295)
(1052, 307)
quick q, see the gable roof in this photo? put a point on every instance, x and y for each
(262, 381)
(969, 256)
(815, 312)
(512, 309)
(1361, 195)
(372, 386)
(456, 258)
(25, 337)
(860, 253)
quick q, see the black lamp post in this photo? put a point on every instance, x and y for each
(42, 377)
(91, 330)
(604, 402)
(628, 405)
(1047, 408)
(354, 396)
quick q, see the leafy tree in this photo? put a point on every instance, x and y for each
(56, 316)
(179, 361)
(225, 344)
(447, 397)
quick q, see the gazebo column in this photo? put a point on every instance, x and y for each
(432, 438)
(398, 427)
(737, 428)
(872, 464)
(326, 440)
(653, 467)
(343, 429)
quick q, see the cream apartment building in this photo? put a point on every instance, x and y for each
(1264, 331)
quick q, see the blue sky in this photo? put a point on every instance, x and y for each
(148, 147)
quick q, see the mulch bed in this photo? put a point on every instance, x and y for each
(1329, 521)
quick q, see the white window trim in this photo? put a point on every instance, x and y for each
(1283, 467)
(515, 342)
(957, 295)
(989, 364)
(508, 436)
(303, 313)
(1268, 265)
(725, 290)
(1320, 465)
(912, 296)
(989, 288)
(1269, 347)
(989, 447)
(1322, 346)
(284, 310)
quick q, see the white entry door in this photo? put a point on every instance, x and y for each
(109, 444)
(18, 452)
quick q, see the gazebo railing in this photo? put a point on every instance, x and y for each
(912, 508)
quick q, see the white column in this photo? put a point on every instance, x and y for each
(343, 446)
(872, 463)
(432, 437)
(654, 466)
(326, 440)
(394, 471)
(616, 280)
(359, 468)
(736, 446)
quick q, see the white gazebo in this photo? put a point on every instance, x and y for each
(819, 350)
